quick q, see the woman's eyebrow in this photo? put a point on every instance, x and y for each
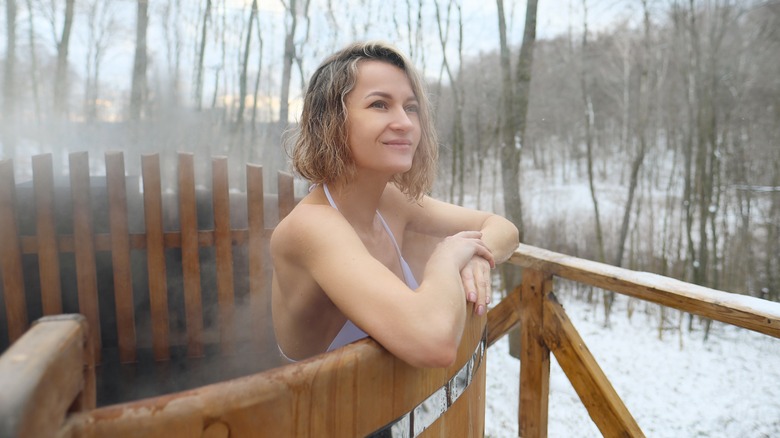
(385, 95)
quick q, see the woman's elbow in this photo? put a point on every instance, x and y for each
(440, 355)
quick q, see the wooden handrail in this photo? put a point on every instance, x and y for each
(740, 310)
(545, 328)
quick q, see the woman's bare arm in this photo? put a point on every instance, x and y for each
(422, 327)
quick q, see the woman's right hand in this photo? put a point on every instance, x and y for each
(461, 247)
(473, 261)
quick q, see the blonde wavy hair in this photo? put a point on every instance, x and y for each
(320, 151)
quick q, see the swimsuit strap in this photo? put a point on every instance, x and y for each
(407, 271)
(330, 198)
(392, 237)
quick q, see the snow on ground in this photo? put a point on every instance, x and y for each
(681, 386)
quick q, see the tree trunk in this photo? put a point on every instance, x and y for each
(257, 77)
(198, 87)
(9, 83)
(589, 122)
(138, 90)
(244, 66)
(33, 63)
(61, 83)
(289, 57)
(515, 108)
(457, 169)
(641, 132)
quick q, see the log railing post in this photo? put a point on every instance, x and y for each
(534, 355)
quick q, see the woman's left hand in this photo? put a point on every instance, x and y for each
(477, 283)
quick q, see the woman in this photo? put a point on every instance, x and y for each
(368, 145)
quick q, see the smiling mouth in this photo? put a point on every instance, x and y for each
(398, 143)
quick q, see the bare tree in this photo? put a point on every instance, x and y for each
(9, 82)
(259, 70)
(290, 24)
(513, 129)
(290, 55)
(171, 19)
(245, 65)
(61, 83)
(102, 24)
(589, 122)
(200, 55)
(457, 170)
(512, 150)
(138, 91)
(34, 70)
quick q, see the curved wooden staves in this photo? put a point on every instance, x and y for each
(353, 391)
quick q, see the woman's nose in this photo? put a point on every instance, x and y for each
(401, 120)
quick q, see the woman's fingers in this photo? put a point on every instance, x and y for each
(469, 285)
(476, 283)
(475, 260)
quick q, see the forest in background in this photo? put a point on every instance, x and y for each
(673, 109)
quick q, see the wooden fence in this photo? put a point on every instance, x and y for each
(159, 277)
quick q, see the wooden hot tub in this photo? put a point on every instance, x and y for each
(153, 319)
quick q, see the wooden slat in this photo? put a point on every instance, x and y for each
(504, 317)
(599, 397)
(43, 375)
(286, 194)
(10, 255)
(155, 256)
(83, 232)
(255, 211)
(534, 356)
(748, 312)
(190, 255)
(120, 256)
(224, 252)
(48, 254)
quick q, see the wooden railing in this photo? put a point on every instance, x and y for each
(545, 328)
(48, 376)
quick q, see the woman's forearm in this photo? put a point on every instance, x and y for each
(501, 236)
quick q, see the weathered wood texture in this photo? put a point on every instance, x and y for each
(11, 256)
(534, 356)
(599, 397)
(740, 310)
(44, 375)
(352, 391)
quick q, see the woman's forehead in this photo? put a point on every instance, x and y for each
(380, 77)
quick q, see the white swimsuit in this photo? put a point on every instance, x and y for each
(350, 332)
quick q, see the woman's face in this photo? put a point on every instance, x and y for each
(382, 119)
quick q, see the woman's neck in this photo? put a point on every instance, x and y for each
(358, 200)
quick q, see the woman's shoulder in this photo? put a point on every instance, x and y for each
(396, 200)
(304, 225)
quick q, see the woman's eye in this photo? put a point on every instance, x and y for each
(379, 104)
(412, 108)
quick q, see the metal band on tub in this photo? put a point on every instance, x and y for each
(414, 422)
